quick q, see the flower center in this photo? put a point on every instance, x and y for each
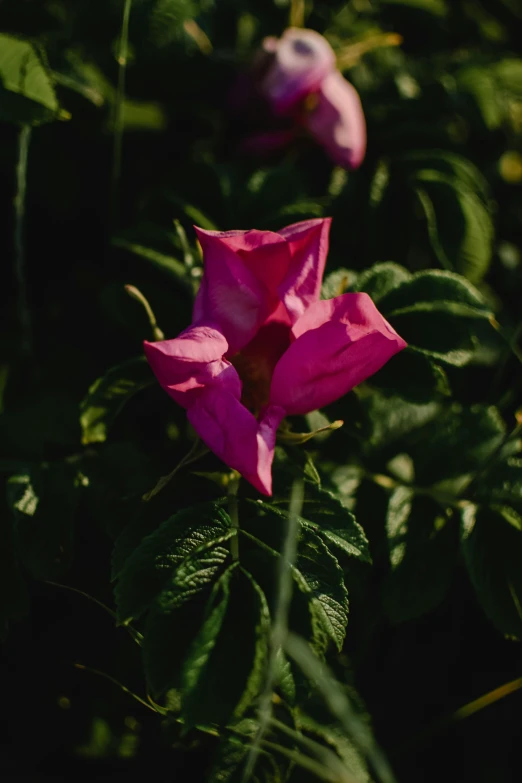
(256, 361)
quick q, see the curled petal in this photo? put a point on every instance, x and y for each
(337, 121)
(236, 436)
(301, 60)
(193, 360)
(339, 343)
(308, 244)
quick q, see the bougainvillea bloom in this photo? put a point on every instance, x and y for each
(262, 344)
(297, 75)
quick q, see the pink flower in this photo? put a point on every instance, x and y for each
(298, 77)
(262, 344)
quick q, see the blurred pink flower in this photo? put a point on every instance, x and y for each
(262, 344)
(297, 75)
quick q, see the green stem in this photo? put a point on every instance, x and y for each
(24, 313)
(233, 488)
(120, 97)
(197, 450)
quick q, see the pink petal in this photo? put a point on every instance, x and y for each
(230, 295)
(339, 343)
(337, 122)
(193, 360)
(308, 243)
(302, 58)
(235, 435)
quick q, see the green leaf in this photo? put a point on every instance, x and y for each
(26, 92)
(319, 575)
(162, 261)
(436, 289)
(380, 279)
(176, 614)
(459, 224)
(434, 312)
(333, 737)
(422, 555)
(491, 540)
(479, 85)
(225, 667)
(108, 395)
(43, 502)
(394, 420)
(228, 766)
(434, 7)
(411, 376)
(456, 167)
(502, 483)
(460, 441)
(327, 517)
(337, 283)
(148, 570)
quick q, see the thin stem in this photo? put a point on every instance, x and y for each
(197, 450)
(233, 488)
(115, 682)
(120, 97)
(136, 635)
(24, 313)
(297, 13)
(489, 698)
(135, 293)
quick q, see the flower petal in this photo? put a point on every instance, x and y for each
(302, 58)
(187, 364)
(337, 122)
(235, 435)
(339, 343)
(230, 295)
(308, 244)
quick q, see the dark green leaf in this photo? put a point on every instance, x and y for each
(411, 376)
(459, 224)
(422, 554)
(434, 290)
(225, 667)
(43, 502)
(109, 394)
(381, 279)
(177, 614)
(148, 570)
(491, 539)
(502, 483)
(232, 753)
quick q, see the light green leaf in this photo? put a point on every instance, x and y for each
(26, 91)
(109, 394)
